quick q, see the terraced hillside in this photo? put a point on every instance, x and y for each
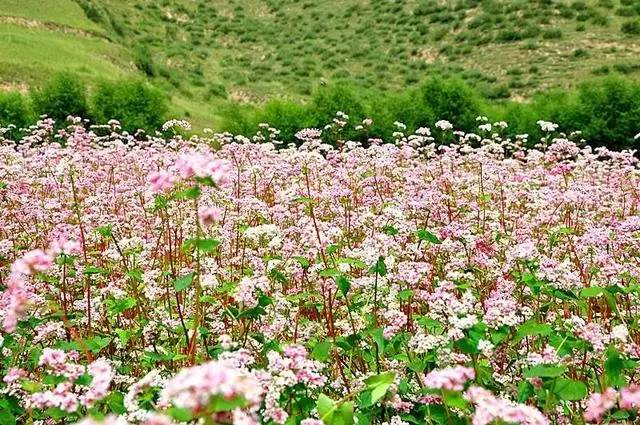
(204, 53)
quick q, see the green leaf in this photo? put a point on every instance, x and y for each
(590, 292)
(321, 350)
(95, 270)
(613, 366)
(425, 235)
(326, 408)
(31, 386)
(344, 414)
(115, 401)
(343, 284)
(118, 306)
(405, 295)
(378, 385)
(620, 414)
(330, 272)
(544, 371)
(455, 399)
(7, 418)
(531, 329)
(180, 414)
(124, 336)
(105, 231)
(390, 230)
(570, 389)
(98, 343)
(207, 245)
(379, 268)
(302, 261)
(190, 193)
(56, 413)
(183, 283)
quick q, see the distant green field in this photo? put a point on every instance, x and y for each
(32, 54)
(204, 53)
(61, 12)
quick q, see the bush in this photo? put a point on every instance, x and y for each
(451, 100)
(608, 112)
(14, 109)
(62, 96)
(136, 104)
(631, 27)
(144, 61)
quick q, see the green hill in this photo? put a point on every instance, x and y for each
(206, 53)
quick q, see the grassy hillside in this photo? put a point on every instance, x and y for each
(206, 53)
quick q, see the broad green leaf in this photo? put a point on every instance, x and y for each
(379, 268)
(425, 235)
(570, 389)
(379, 384)
(326, 408)
(321, 350)
(207, 245)
(544, 371)
(343, 284)
(590, 292)
(180, 414)
(344, 414)
(531, 329)
(183, 283)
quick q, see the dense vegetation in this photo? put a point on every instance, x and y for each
(153, 281)
(205, 55)
(606, 110)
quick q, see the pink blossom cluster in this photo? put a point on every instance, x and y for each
(451, 379)
(269, 274)
(489, 408)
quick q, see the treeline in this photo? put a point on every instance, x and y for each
(135, 103)
(606, 110)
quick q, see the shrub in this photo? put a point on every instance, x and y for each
(62, 96)
(144, 61)
(608, 112)
(14, 109)
(134, 103)
(631, 27)
(451, 100)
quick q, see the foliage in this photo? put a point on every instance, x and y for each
(134, 103)
(14, 109)
(62, 96)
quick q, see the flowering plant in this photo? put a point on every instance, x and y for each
(225, 279)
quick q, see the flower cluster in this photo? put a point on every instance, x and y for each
(447, 276)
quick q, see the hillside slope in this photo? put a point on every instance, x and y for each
(206, 52)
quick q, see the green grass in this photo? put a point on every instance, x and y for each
(61, 12)
(33, 54)
(204, 53)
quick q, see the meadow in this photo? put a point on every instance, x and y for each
(445, 278)
(335, 212)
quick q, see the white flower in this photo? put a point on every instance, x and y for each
(547, 126)
(444, 125)
(486, 347)
(620, 332)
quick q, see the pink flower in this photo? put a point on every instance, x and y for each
(203, 165)
(490, 408)
(630, 397)
(599, 404)
(208, 216)
(452, 379)
(160, 181)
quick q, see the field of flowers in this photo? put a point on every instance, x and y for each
(445, 278)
